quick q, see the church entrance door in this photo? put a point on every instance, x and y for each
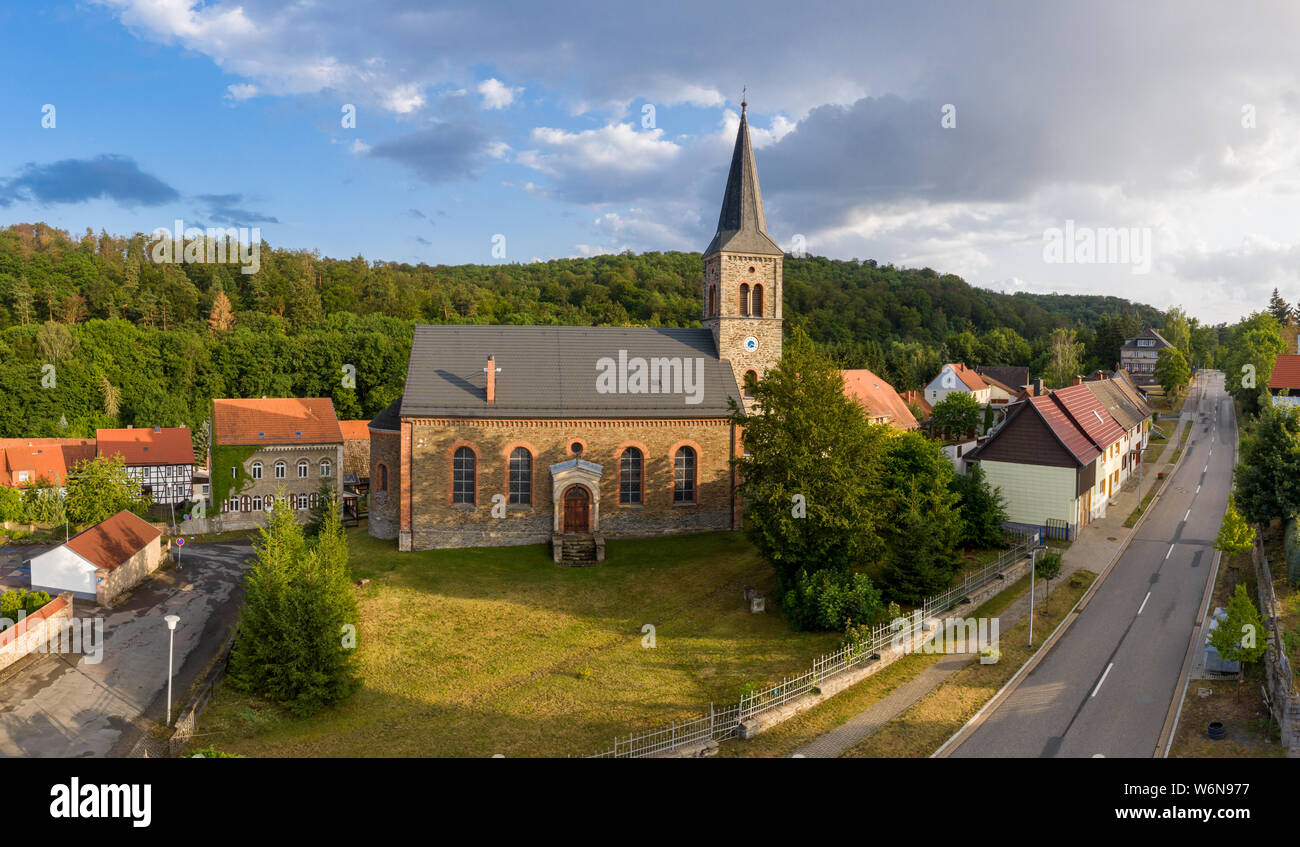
(577, 509)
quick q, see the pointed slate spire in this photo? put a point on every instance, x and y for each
(741, 225)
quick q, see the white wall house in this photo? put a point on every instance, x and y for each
(61, 569)
(956, 377)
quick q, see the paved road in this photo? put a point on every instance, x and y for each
(1106, 686)
(65, 706)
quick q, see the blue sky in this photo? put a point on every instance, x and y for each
(481, 118)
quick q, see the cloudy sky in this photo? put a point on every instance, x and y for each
(953, 135)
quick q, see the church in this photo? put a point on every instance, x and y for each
(571, 435)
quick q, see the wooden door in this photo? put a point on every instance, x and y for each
(577, 509)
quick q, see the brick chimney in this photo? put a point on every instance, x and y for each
(491, 370)
(1078, 380)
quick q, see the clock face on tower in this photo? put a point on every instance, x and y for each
(751, 344)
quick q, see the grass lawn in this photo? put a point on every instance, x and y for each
(1182, 442)
(480, 651)
(1251, 734)
(924, 727)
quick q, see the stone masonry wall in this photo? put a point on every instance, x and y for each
(384, 520)
(437, 522)
(292, 484)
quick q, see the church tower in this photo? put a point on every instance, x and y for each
(742, 272)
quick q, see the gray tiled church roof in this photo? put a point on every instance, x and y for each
(742, 227)
(551, 372)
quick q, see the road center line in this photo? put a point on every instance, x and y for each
(1186, 516)
(1171, 549)
(1144, 602)
(1198, 489)
(1103, 679)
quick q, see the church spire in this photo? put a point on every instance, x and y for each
(741, 225)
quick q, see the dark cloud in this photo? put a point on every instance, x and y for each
(226, 209)
(109, 176)
(442, 153)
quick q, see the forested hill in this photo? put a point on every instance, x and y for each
(137, 342)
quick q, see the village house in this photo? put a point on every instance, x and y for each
(1139, 354)
(1284, 382)
(882, 403)
(101, 562)
(356, 449)
(527, 434)
(1060, 458)
(161, 458)
(956, 377)
(1005, 383)
(29, 461)
(272, 447)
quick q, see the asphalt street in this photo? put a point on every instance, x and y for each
(1107, 685)
(67, 705)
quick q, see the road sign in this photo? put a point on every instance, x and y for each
(180, 542)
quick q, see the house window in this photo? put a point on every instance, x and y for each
(257, 470)
(244, 503)
(280, 468)
(684, 476)
(326, 468)
(757, 303)
(744, 299)
(463, 466)
(303, 465)
(257, 504)
(629, 477)
(311, 500)
(521, 477)
(383, 477)
(302, 501)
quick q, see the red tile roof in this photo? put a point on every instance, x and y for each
(917, 399)
(355, 430)
(1066, 431)
(1090, 414)
(1286, 372)
(48, 458)
(111, 542)
(280, 420)
(969, 376)
(878, 398)
(145, 446)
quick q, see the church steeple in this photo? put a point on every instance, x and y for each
(743, 273)
(741, 225)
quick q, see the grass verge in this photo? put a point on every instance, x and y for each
(934, 719)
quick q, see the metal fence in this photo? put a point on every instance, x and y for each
(722, 724)
(1280, 677)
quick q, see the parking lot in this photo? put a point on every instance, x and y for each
(67, 705)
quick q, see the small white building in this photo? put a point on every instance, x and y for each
(100, 562)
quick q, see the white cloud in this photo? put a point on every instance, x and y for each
(241, 91)
(496, 94)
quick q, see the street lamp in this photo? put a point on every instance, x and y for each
(172, 620)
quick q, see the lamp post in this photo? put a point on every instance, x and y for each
(172, 620)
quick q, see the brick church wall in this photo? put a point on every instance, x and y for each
(385, 450)
(437, 522)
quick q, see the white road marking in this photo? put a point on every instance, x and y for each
(1186, 516)
(1144, 602)
(1198, 489)
(1206, 468)
(1103, 679)
(1171, 549)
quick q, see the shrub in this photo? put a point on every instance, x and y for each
(828, 599)
(1292, 550)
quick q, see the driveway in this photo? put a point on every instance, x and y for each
(64, 706)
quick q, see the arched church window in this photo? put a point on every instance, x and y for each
(744, 299)
(463, 466)
(757, 299)
(521, 477)
(684, 475)
(629, 476)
